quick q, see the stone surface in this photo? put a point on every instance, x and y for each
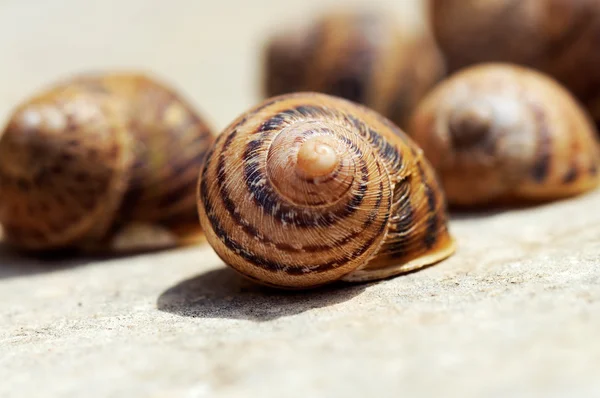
(516, 312)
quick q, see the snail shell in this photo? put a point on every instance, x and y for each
(504, 133)
(364, 57)
(305, 189)
(557, 37)
(102, 161)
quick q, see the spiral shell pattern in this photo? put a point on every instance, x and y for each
(306, 189)
(499, 133)
(95, 153)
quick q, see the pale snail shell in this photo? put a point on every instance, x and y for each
(104, 162)
(367, 57)
(503, 133)
(557, 37)
(306, 189)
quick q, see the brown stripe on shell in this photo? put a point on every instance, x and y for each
(432, 217)
(571, 175)
(541, 167)
(171, 142)
(402, 219)
(575, 147)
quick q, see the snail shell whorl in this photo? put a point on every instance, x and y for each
(306, 189)
(307, 166)
(94, 153)
(497, 132)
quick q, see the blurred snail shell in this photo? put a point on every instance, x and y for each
(557, 37)
(102, 162)
(499, 132)
(305, 189)
(361, 56)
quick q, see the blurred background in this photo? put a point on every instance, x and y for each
(512, 314)
(209, 50)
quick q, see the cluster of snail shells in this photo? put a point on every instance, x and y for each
(104, 162)
(557, 37)
(495, 133)
(318, 183)
(300, 191)
(367, 57)
(306, 189)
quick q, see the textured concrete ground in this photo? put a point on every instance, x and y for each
(516, 312)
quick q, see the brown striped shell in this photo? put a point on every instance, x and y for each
(504, 133)
(305, 189)
(365, 57)
(104, 162)
(557, 37)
